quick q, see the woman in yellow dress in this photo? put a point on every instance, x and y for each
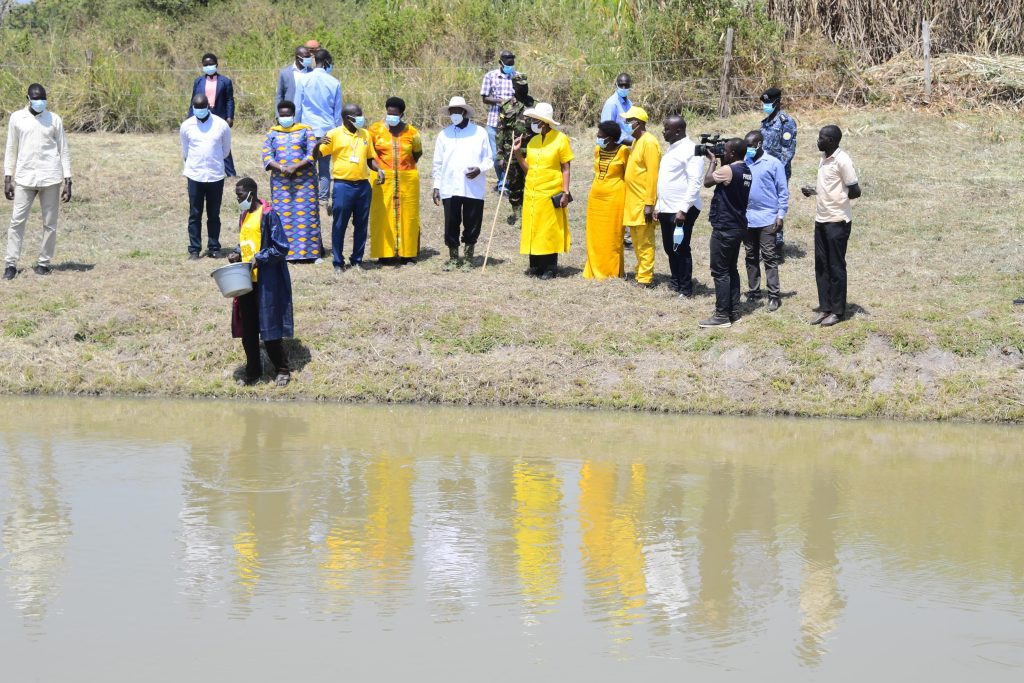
(604, 206)
(395, 207)
(546, 165)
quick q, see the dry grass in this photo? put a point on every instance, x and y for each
(935, 262)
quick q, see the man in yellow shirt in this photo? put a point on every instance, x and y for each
(353, 157)
(641, 193)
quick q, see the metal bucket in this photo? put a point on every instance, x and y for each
(234, 279)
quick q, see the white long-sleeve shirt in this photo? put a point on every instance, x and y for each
(37, 149)
(679, 178)
(457, 150)
(204, 146)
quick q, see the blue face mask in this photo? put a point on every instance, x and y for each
(210, 69)
(329, 68)
(246, 203)
(751, 153)
(307, 62)
(768, 107)
(622, 92)
(392, 120)
(38, 106)
(286, 121)
(359, 121)
(201, 114)
(507, 69)
(602, 143)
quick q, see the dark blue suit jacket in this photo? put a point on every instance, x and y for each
(224, 105)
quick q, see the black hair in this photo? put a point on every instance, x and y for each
(34, 86)
(209, 55)
(737, 145)
(323, 57)
(609, 129)
(754, 133)
(682, 121)
(286, 104)
(623, 74)
(833, 132)
(396, 102)
(247, 184)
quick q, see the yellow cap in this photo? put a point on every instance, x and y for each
(636, 113)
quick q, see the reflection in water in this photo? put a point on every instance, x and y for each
(36, 524)
(538, 497)
(703, 554)
(821, 603)
(613, 554)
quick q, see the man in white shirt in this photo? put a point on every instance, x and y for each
(205, 143)
(680, 175)
(37, 162)
(462, 156)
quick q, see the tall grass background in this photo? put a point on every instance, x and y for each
(128, 65)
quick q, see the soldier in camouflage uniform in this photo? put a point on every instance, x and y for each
(779, 132)
(512, 124)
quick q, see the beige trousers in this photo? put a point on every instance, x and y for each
(49, 202)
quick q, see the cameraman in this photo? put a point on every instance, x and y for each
(728, 217)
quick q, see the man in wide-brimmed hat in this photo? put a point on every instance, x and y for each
(462, 156)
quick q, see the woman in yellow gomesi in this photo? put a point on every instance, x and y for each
(605, 205)
(395, 207)
(546, 162)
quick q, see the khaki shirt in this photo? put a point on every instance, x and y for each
(835, 176)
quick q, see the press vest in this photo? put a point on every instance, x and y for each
(729, 204)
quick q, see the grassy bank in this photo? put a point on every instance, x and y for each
(935, 261)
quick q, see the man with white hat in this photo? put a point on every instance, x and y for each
(462, 156)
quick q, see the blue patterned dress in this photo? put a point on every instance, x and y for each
(294, 198)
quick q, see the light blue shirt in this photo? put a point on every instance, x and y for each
(769, 192)
(614, 108)
(318, 101)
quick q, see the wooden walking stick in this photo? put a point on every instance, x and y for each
(487, 252)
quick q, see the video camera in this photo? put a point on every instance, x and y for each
(710, 143)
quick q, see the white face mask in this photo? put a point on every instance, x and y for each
(246, 203)
(536, 127)
(457, 119)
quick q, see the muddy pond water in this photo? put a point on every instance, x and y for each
(176, 541)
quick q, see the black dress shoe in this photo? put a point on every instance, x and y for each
(10, 272)
(816, 320)
(547, 275)
(39, 269)
(213, 253)
(193, 256)
(773, 303)
(831, 320)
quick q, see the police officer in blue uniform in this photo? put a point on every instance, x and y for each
(779, 132)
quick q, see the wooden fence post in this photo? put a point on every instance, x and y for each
(926, 49)
(723, 87)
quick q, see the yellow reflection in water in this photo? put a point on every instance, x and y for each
(613, 559)
(537, 494)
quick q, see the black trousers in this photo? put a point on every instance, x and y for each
(249, 312)
(539, 263)
(680, 261)
(465, 213)
(725, 254)
(830, 240)
(210, 195)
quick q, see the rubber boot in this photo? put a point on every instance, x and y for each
(453, 261)
(467, 260)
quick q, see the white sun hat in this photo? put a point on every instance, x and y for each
(461, 103)
(542, 112)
